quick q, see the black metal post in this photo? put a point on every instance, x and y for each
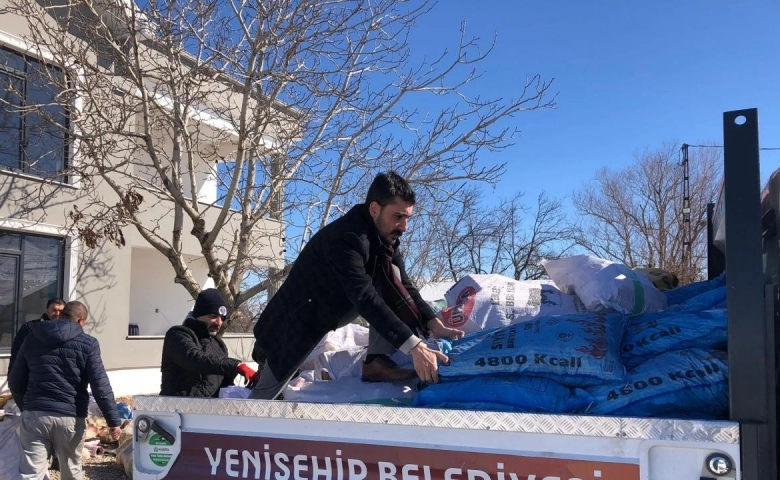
(748, 340)
(716, 261)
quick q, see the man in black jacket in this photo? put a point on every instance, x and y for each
(195, 360)
(351, 267)
(49, 383)
(54, 308)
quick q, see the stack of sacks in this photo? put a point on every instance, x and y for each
(637, 352)
(549, 361)
(579, 284)
(676, 360)
(679, 383)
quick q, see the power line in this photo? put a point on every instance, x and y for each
(721, 146)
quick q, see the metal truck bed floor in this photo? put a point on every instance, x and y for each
(617, 427)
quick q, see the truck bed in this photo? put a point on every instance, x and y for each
(228, 438)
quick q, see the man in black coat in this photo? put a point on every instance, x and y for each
(54, 308)
(351, 267)
(49, 383)
(195, 360)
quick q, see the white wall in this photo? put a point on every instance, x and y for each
(156, 302)
(129, 382)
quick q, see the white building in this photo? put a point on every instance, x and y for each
(41, 259)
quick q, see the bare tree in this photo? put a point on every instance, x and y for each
(635, 216)
(453, 241)
(531, 235)
(287, 106)
(507, 237)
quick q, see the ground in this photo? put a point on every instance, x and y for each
(102, 467)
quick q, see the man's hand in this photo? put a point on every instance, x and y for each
(426, 362)
(438, 330)
(114, 433)
(250, 375)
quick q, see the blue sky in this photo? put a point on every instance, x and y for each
(629, 74)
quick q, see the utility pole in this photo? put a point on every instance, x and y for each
(686, 210)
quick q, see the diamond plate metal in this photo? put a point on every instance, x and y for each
(616, 427)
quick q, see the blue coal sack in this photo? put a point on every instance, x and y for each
(652, 334)
(574, 350)
(685, 383)
(504, 394)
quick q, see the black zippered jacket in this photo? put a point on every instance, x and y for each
(335, 277)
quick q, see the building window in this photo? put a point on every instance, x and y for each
(33, 124)
(31, 272)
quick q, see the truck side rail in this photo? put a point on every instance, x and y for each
(751, 301)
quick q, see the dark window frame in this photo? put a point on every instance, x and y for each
(23, 164)
(19, 254)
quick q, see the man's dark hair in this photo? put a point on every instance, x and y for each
(387, 186)
(74, 310)
(55, 301)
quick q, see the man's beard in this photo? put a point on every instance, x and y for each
(397, 235)
(390, 237)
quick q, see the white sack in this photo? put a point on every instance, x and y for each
(9, 448)
(348, 336)
(479, 302)
(434, 294)
(341, 363)
(602, 284)
(234, 391)
(347, 390)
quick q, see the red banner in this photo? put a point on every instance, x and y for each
(228, 456)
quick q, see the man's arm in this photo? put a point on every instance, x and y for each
(430, 321)
(100, 386)
(18, 378)
(347, 259)
(228, 379)
(187, 354)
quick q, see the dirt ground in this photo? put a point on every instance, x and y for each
(103, 467)
(100, 467)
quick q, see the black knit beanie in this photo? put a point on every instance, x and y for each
(209, 302)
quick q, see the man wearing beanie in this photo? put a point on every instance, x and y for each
(195, 361)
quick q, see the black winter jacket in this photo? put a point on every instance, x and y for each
(53, 368)
(24, 330)
(195, 364)
(336, 275)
